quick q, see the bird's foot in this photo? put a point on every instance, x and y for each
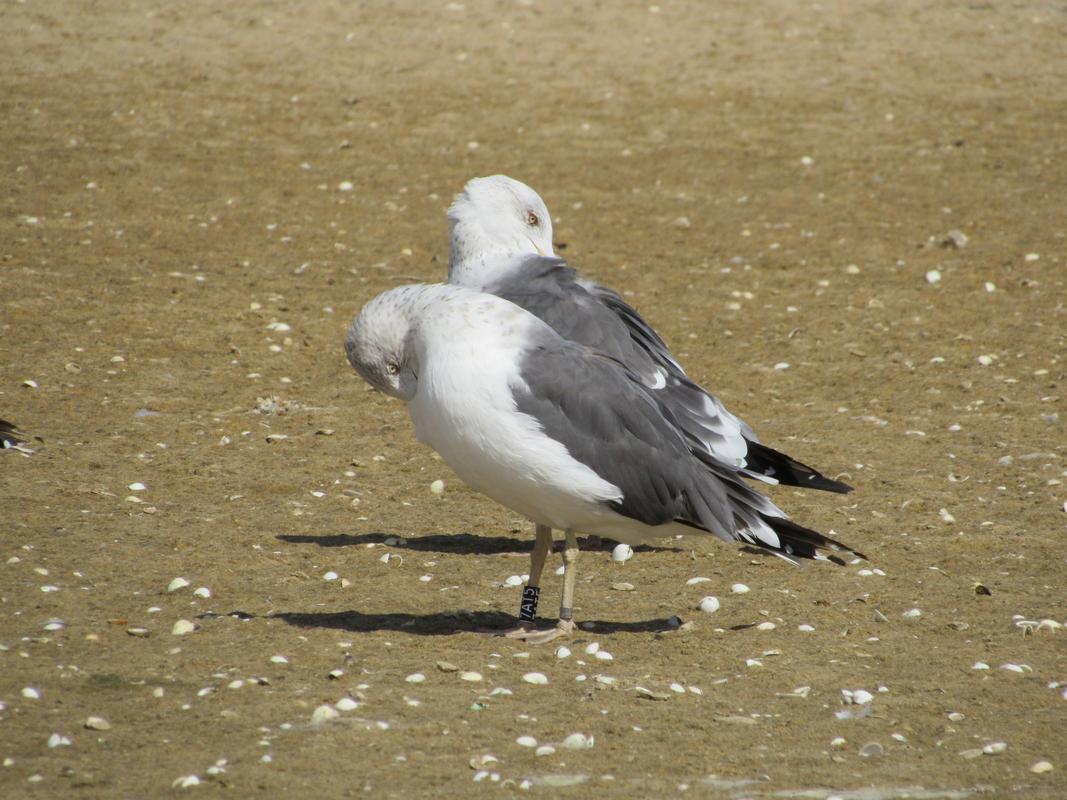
(528, 632)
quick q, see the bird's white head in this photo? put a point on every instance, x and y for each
(494, 220)
(380, 345)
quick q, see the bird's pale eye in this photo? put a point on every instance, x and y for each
(392, 367)
(531, 219)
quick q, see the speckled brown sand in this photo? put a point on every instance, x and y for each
(770, 182)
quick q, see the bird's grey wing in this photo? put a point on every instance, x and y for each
(609, 421)
(592, 315)
(552, 291)
(703, 416)
(643, 334)
(595, 316)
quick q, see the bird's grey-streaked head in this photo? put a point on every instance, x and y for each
(379, 344)
(494, 219)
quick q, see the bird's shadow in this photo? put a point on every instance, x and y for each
(458, 543)
(447, 623)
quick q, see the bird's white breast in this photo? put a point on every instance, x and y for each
(465, 410)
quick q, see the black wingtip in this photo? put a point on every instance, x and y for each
(790, 472)
(805, 543)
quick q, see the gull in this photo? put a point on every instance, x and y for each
(501, 243)
(568, 437)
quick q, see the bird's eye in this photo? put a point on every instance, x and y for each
(531, 219)
(392, 367)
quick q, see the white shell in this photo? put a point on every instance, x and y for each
(536, 678)
(709, 605)
(862, 697)
(182, 627)
(577, 741)
(323, 714)
(621, 553)
(176, 584)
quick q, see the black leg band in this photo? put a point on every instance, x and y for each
(528, 608)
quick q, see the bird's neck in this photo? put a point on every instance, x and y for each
(475, 258)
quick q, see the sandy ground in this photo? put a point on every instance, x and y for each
(770, 183)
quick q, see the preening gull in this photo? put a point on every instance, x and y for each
(502, 244)
(568, 437)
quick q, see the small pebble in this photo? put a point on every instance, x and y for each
(1041, 767)
(513, 580)
(861, 697)
(526, 741)
(677, 688)
(805, 628)
(956, 716)
(186, 781)
(330, 576)
(415, 677)
(97, 724)
(622, 553)
(912, 613)
(933, 276)
(563, 652)
(58, 740)
(182, 627)
(136, 487)
(176, 584)
(980, 665)
(709, 605)
(346, 704)
(447, 666)
(766, 626)
(437, 487)
(544, 750)
(695, 581)
(994, 748)
(536, 678)
(471, 676)
(591, 648)
(604, 655)
(203, 591)
(335, 674)
(739, 588)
